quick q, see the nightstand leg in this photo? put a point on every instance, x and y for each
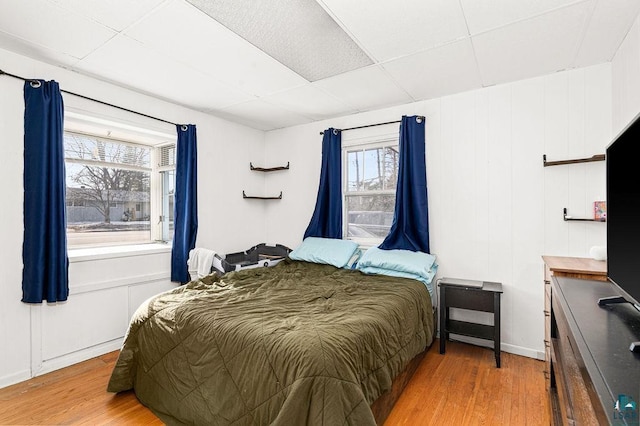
(443, 320)
(496, 327)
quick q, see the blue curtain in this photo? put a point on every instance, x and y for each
(327, 217)
(44, 249)
(410, 227)
(185, 219)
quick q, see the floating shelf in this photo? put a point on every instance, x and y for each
(279, 197)
(568, 218)
(268, 169)
(597, 157)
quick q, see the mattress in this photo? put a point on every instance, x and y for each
(298, 343)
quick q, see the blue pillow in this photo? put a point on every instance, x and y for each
(427, 281)
(329, 251)
(411, 262)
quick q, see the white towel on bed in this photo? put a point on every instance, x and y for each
(200, 261)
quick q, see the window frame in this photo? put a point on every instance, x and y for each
(362, 144)
(79, 122)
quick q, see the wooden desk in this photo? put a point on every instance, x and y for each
(484, 299)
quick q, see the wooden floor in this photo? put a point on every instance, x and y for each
(462, 387)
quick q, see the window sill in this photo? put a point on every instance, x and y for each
(98, 253)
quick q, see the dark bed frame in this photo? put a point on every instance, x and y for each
(382, 406)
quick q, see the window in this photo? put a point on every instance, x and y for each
(167, 168)
(370, 179)
(110, 189)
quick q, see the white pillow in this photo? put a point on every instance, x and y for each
(330, 251)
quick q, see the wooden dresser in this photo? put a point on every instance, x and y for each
(586, 366)
(574, 267)
(569, 267)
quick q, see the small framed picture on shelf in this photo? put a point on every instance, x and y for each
(600, 211)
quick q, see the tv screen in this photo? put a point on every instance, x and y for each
(623, 211)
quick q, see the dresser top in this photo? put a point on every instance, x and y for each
(578, 265)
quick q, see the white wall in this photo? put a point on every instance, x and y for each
(105, 291)
(626, 79)
(494, 209)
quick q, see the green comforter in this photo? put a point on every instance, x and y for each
(296, 344)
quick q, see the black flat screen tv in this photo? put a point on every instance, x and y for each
(623, 212)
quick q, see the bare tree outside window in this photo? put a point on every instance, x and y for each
(372, 175)
(108, 184)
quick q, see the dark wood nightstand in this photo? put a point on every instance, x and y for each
(485, 299)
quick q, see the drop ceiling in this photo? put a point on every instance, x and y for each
(276, 63)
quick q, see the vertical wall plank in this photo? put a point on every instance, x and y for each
(500, 195)
(528, 130)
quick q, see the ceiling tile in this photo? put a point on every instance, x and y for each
(388, 30)
(532, 47)
(483, 15)
(32, 50)
(213, 50)
(298, 33)
(48, 25)
(437, 72)
(355, 88)
(115, 14)
(158, 75)
(608, 26)
(310, 101)
(262, 115)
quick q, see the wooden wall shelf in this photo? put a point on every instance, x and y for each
(571, 218)
(268, 169)
(597, 157)
(279, 197)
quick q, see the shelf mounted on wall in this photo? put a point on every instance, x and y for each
(268, 169)
(597, 157)
(566, 217)
(279, 197)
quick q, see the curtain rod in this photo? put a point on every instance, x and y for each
(92, 99)
(371, 125)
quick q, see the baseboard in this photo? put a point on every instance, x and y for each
(504, 347)
(12, 379)
(78, 356)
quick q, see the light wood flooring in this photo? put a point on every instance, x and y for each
(462, 387)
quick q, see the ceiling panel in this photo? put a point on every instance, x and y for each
(115, 14)
(298, 33)
(533, 47)
(609, 24)
(425, 49)
(262, 115)
(388, 30)
(156, 74)
(441, 71)
(483, 15)
(32, 50)
(213, 50)
(355, 88)
(48, 25)
(311, 102)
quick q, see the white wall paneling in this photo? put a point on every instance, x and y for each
(491, 201)
(625, 81)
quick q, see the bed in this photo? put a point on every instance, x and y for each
(298, 343)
